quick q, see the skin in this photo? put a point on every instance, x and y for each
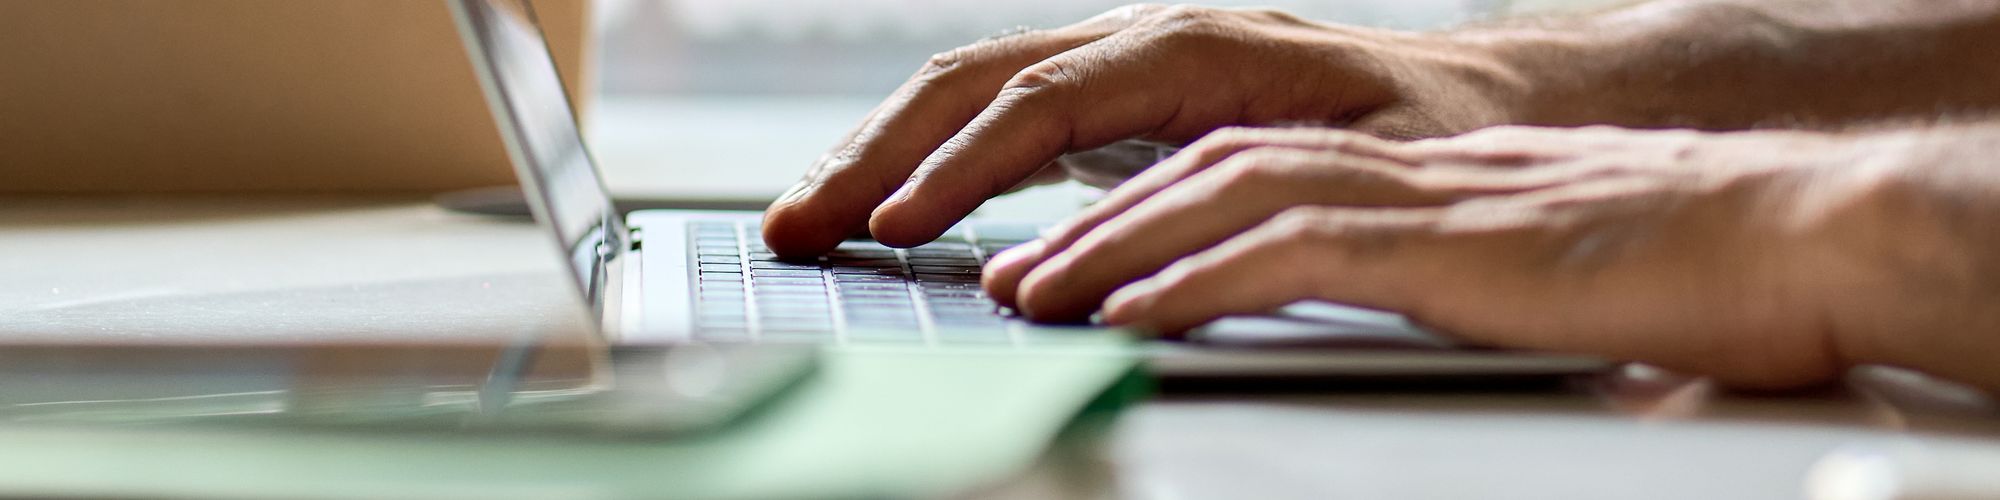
(1766, 259)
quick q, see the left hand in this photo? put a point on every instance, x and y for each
(1690, 250)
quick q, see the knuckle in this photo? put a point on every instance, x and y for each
(1295, 224)
(1043, 79)
(1185, 27)
(1256, 168)
(1184, 14)
(944, 61)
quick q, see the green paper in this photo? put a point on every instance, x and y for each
(873, 422)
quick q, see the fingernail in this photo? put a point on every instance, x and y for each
(900, 194)
(1128, 304)
(1018, 253)
(795, 192)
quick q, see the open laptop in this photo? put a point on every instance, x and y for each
(673, 277)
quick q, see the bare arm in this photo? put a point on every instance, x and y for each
(1907, 253)
(1762, 258)
(1729, 64)
(977, 121)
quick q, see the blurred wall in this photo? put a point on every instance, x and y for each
(251, 95)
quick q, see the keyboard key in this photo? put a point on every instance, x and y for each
(940, 252)
(898, 286)
(708, 304)
(955, 314)
(943, 294)
(865, 261)
(719, 259)
(785, 265)
(959, 270)
(882, 318)
(799, 300)
(948, 278)
(790, 296)
(730, 251)
(958, 283)
(786, 273)
(856, 255)
(900, 294)
(877, 299)
(879, 271)
(790, 292)
(723, 268)
(773, 280)
(721, 296)
(945, 261)
(969, 321)
(866, 278)
(958, 298)
(736, 275)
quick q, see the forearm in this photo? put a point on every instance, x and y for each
(1731, 64)
(1907, 250)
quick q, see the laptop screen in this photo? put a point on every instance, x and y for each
(539, 128)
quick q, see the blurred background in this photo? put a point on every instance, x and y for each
(866, 47)
(704, 99)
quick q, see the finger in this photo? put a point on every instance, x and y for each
(1208, 207)
(1029, 124)
(840, 191)
(1002, 278)
(1373, 255)
(1213, 149)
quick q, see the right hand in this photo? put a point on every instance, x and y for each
(977, 121)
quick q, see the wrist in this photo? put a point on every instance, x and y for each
(1638, 67)
(1549, 75)
(1897, 255)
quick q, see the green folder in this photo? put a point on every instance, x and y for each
(871, 422)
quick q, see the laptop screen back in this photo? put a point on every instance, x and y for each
(539, 128)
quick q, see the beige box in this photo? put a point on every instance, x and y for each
(252, 95)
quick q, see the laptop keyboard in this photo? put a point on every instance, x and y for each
(861, 292)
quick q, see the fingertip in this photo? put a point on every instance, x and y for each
(1041, 297)
(791, 230)
(1129, 305)
(1002, 277)
(896, 224)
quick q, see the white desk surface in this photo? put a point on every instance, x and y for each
(293, 269)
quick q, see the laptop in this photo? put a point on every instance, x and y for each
(669, 277)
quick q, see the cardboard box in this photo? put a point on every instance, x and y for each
(252, 95)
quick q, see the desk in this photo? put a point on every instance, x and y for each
(203, 268)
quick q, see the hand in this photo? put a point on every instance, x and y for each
(1687, 250)
(978, 121)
